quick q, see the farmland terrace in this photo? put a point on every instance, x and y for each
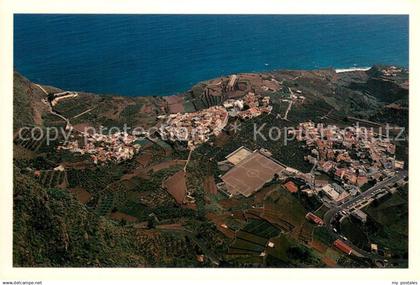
(224, 198)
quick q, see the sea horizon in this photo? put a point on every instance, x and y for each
(162, 55)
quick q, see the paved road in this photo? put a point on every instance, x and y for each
(371, 192)
(84, 112)
(290, 105)
(365, 196)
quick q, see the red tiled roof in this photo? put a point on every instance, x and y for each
(361, 180)
(342, 246)
(339, 171)
(291, 187)
(314, 218)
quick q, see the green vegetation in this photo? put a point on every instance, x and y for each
(290, 153)
(387, 226)
(130, 113)
(261, 228)
(22, 102)
(52, 228)
(322, 234)
(287, 251)
(134, 209)
(391, 220)
(96, 179)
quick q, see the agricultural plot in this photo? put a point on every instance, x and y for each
(236, 203)
(174, 249)
(279, 251)
(120, 196)
(51, 120)
(221, 219)
(105, 204)
(288, 251)
(238, 251)
(156, 198)
(94, 180)
(331, 257)
(31, 139)
(139, 196)
(327, 254)
(115, 196)
(210, 185)
(81, 194)
(135, 209)
(248, 260)
(387, 224)
(73, 107)
(176, 186)
(252, 238)
(22, 154)
(246, 245)
(283, 209)
(119, 216)
(322, 235)
(52, 178)
(305, 234)
(261, 228)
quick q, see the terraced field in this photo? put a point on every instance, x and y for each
(52, 178)
(31, 139)
(283, 209)
(252, 238)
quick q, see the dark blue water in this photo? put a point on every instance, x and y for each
(140, 55)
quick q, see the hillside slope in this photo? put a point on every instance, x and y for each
(51, 228)
(27, 105)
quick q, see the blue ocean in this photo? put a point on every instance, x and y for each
(141, 55)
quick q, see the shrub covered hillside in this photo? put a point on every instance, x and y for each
(51, 228)
(27, 105)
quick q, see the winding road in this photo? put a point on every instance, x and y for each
(68, 125)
